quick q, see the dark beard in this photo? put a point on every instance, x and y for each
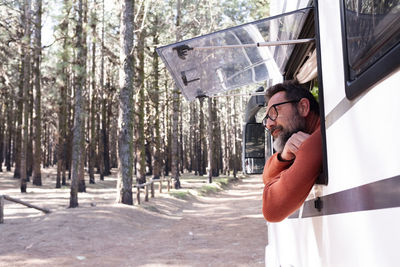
(280, 141)
(298, 124)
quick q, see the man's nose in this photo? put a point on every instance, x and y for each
(270, 123)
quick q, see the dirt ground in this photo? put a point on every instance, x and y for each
(220, 229)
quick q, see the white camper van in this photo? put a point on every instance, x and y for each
(350, 49)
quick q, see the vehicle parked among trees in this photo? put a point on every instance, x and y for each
(350, 51)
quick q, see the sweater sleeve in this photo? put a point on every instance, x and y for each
(287, 184)
(273, 167)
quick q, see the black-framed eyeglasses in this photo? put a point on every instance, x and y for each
(272, 113)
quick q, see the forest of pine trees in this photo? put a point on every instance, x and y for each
(83, 90)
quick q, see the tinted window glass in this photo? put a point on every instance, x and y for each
(372, 29)
(255, 141)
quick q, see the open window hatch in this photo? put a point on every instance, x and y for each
(251, 53)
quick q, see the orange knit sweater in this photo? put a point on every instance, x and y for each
(287, 184)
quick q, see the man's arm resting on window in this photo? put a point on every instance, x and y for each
(287, 186)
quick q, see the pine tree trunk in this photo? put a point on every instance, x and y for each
(93, 105)
(181, 155)
(10, 129)
(77, 155)
(2, 141)
(29, 154)
(167, 131)
(81, 182)
(26, 85)
(191, 137)
(234, 135)
(46, 147)
(125, 145)
(19, 119)
(37, 176)
(216, 140)
(100, 134)
(62, 114)
(175, 114)
(156, 91)
(228, 143)
(106, 137)
(100, 122)
(202, 140)
(210, 140)
(140, 133)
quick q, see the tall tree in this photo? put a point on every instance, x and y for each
(100, 146)
(155, 99)
(140, 103)
(62, 100)
(83, 70)
(26, 85)
(125, 145)
(79, 82)
(175, 112)
(100, 123)
(37, 176)
(216, 133)
(16, 150)
(93, 104)
(10, 128)
(2, 130)
(210, 137)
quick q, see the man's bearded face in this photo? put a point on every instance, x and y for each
(290, 126)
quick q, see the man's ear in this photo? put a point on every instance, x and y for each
(303, 107)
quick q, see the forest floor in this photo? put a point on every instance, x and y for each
(201, 224)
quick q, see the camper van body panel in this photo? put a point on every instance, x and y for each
(363, 143)
(363, 239)
(362, 152)
(331, 53)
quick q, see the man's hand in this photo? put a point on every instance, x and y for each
(292, 145)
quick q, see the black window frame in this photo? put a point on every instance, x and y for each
(295, 62)
(377, 71)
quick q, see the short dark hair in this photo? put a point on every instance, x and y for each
(293, 91)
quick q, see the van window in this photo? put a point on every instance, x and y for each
(371, 42)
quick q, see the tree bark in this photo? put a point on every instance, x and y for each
(100, 105)
(37, 176)
(125, 145)
(19, 121)
(77, 155)
(210, 138)
(81, 182)
(216, 137)
(29, 149)
(140, 131)
(156, 91)
(2, 141)
(93, 104)
(10, 129)
(62, 114)
(202, 145)
(235, 135)
(175, 114)
(26, 85)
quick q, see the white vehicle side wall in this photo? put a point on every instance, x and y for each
(357, 239)
(363, 144)
(331, 53)
(362, 147)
